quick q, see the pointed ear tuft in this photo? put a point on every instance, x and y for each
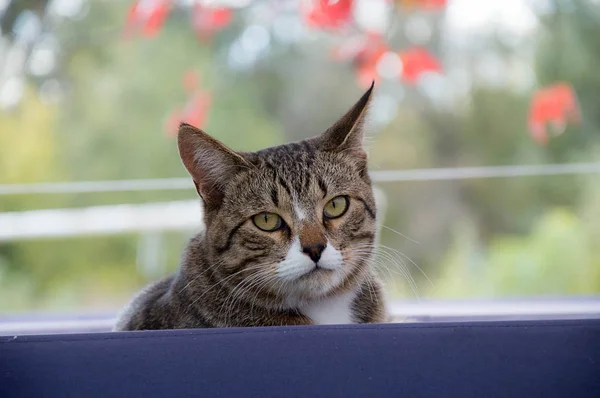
(210, 163)
(347, 133)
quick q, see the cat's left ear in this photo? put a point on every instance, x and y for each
(347, 134)
(211, 164)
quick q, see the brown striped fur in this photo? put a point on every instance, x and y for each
(230, 273)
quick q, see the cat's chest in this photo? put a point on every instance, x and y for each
(331, 311)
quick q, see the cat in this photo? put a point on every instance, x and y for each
(288, 240)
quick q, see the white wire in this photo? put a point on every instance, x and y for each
(159, 184)
(464, 173)
(435, 174)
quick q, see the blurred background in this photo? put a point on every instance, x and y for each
(484, 136)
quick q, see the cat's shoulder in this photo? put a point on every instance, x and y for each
(132, 317)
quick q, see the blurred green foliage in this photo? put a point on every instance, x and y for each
(556, 258)
(478, 238)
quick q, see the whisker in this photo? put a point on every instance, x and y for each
(246, 284)
(402, 269)
(400, 234)
(394, 256)
(199, 275)
(411, 261)
(222, 281)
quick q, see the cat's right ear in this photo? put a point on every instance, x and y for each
(347, 134)
(210, 163)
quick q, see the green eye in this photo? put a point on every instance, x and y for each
(336, 207)
(268, 222)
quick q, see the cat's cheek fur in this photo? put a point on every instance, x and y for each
(295, 264)
(331, 258)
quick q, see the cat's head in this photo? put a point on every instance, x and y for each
(297, 220)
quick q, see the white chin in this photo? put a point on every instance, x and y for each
(302, 278)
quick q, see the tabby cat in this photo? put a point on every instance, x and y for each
(288, 238)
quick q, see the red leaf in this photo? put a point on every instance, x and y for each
(432, 5)
(147, 17)
(556, 104)
(172, 124)
(191, 80)
(195, 111)
(417, 61)
(364, 54)
(207, 20)
(366, 63)
(328, 14)
(156, 20)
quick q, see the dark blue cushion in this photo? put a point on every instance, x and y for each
(491, 359)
